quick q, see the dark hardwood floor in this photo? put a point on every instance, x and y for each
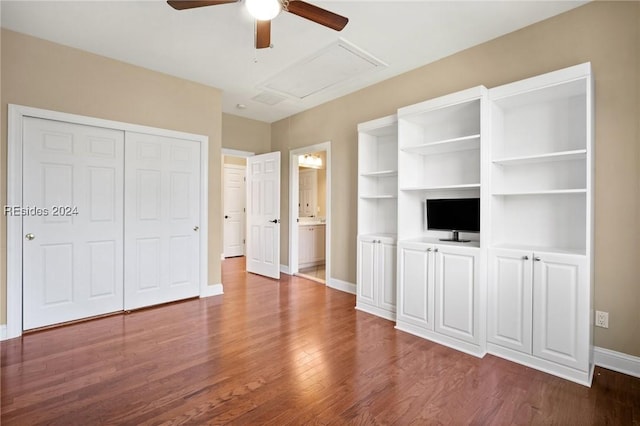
(281, 352)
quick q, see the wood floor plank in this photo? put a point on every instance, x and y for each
(278, 352)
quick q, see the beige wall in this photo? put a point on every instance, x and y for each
(45, 75)
(245, 134)
(605, 33)
(235, 161)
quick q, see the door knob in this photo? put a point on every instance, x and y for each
(226, 217)
(29, 236)
(195, 228)
(275, 221)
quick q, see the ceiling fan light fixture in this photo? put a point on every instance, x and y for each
(263, 10)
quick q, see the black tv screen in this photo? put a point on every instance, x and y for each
(455, 214)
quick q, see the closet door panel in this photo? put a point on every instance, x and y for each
(72, 251)
(162, 217)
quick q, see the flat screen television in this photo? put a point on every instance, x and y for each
(455, 215)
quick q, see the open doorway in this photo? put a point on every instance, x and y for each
(310, 207)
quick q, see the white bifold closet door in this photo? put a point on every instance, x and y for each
(72, 222)
(162, 219)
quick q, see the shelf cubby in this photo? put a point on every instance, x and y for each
(552, 220)
(440, 156)
(378, 176)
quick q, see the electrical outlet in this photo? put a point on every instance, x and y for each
(602, 319)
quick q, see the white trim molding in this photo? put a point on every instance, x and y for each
(345, 286)
(212, 290)
(285, 269)
(3, 332)
(617, 361)
(237, 153)
(16, 115)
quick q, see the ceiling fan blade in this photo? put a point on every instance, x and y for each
(190, 4)
(317, 15)
(263, 34)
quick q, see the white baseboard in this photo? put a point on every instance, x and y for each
(285, 269)
(222, 256)
(341, 285)
(212, 290)
(617, 361)
(3, 331)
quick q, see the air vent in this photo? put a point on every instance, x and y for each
(269, 98)
(332, 65)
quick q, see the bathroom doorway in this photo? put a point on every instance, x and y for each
(309, 233)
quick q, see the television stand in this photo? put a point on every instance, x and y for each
(455, 238)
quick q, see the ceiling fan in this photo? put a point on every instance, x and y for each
(265, 10)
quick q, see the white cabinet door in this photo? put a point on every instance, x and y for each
(73, 253)
(415, 295)
(510, 299)
(162, 220)
(457, 292)
(366, 290)
(561, 318)
(386, 274)
(305, 245)
(318, 243)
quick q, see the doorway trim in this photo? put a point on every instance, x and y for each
(294, 183)
(16, 115)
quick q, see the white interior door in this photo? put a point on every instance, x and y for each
(72, 252)
(235, 200)
(162, 219)
(263, 218)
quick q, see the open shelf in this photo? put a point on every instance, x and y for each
(578, 154)
(441, 187)
(378, 197)
(542, 192)
(463, 143)
(541, 249)
(380, 173)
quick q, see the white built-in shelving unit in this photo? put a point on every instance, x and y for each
(440, 284)
(522, 288)
(540, 250)
(377, 216)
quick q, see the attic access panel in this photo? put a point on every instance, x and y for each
(334, 64)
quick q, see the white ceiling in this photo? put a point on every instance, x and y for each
(214, 45)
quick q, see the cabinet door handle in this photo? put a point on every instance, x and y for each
(525, 257)
(537, 259)
(429, 249)
(435, 250)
